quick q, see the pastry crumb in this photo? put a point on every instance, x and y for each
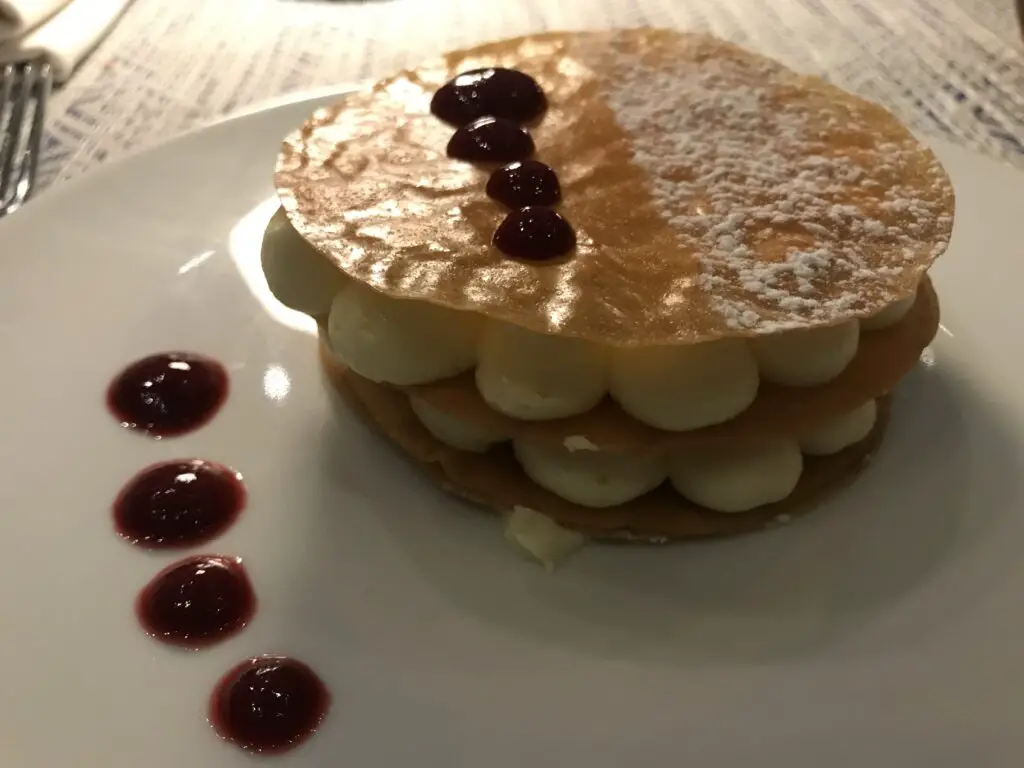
(540, 537)
(579, 443)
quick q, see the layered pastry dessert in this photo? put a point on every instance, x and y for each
(637, 285)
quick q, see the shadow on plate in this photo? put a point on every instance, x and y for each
(887, 565)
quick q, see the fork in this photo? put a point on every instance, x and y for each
(24, 90)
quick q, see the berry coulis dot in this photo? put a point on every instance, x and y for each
(491, 140)
(534, 234)
(523, 184)
(269, 704)
(179, 504)
(197, 601)
(168, 394)
(495, 92)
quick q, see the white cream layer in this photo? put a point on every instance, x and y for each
(841, 431)
(400, 342)
(533, 376)
(681, 388)
(738, 478)
(806, 358)
(297, 274)
(453, 432)
(590, 478)
(733, 479)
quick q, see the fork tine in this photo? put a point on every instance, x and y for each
(7, 77)
(28, 84)
(14, 126)
(33, 147)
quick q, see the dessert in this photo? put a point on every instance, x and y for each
(638, 285)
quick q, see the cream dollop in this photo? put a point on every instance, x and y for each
(541, 537)
(684, 387)
(534, 376)
(889, 315)
(739, 477)
(841, 431)
(399, 341)
(453, 431)
(298, 275)
(589, 478)
(804, 358)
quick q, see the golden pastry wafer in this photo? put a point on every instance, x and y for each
(714, 193)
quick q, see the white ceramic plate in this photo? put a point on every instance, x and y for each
(887, 630)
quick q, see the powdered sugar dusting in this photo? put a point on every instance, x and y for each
(804, 208)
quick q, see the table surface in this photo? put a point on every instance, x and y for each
(948, 68)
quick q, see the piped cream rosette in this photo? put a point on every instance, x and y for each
(749, 283)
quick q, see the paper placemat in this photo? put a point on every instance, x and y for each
(948, 68)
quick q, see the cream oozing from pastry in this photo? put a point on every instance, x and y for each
(841, 431)
(684, 387)
(534, 376)
(541, 537)
(590, 478)
(889, 315)
(805, 358)
(737, 478)
(399, 341)
(299, 276)
(453, 431)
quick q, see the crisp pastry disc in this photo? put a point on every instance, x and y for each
(883, 358)
(496, 481)
(713, 192)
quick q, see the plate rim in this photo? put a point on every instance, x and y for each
(313, 97)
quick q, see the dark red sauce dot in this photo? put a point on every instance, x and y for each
(168, 394)
(534, 234)
(525, 183)
(495, 92)
(197, 602)
(179, 504)
(269, 704)
(491, 140)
